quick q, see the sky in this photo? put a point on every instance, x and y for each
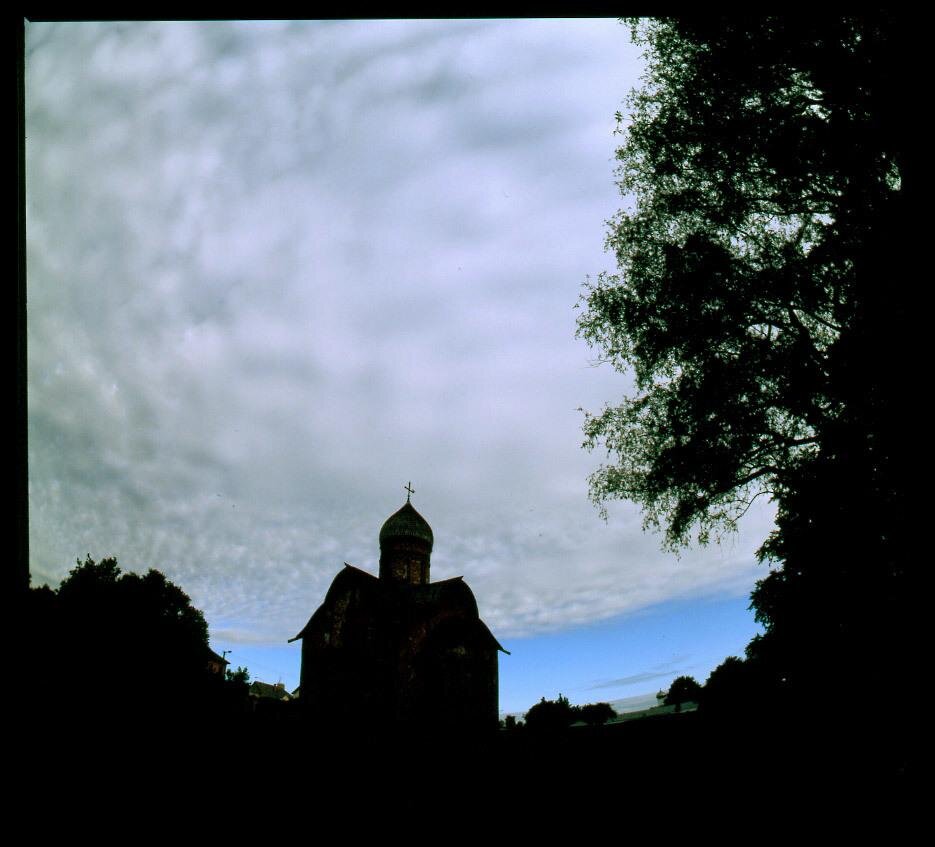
(278, 270)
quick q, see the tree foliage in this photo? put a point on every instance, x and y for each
(596, 714)
(762, 307)
(109, 643)
(240, 676)
(551, 715)
(765, 163)
(735, 687)
(684, 689)
(557, 715)
(132, 626)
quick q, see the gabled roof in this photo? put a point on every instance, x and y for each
(345, 579)
(492, 638)
(392, 602)
(264, 689)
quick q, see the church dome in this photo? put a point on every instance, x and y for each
(407, 523)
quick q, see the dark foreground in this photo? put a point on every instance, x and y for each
(654, 772)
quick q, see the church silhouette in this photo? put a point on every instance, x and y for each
(397, 649)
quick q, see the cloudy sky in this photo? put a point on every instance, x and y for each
(278, 270)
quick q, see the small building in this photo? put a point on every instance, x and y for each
(267, 691)
(216, 664)
(267, 700)
(397, 648)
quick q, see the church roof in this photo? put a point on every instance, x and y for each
(407, 523)
(387, 602)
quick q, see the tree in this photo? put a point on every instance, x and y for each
(684, 689)
(240, 676)
(761, 304)
(761, 166)
(135, 626)
(732, 689)
(551, 715)
(115, 643)
(596, 714)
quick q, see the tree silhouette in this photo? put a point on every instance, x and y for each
(551, 716)
(761, 305)
(731, 688)
(596, 714)
(684, 689)
(110, 645)
(240, 676)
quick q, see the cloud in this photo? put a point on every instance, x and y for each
(278, 269)
(631, 680)
(660, 671)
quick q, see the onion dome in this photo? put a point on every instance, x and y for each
(407, 523)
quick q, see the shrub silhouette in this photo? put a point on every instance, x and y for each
(551, 715)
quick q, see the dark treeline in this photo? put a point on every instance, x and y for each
(127, 715)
